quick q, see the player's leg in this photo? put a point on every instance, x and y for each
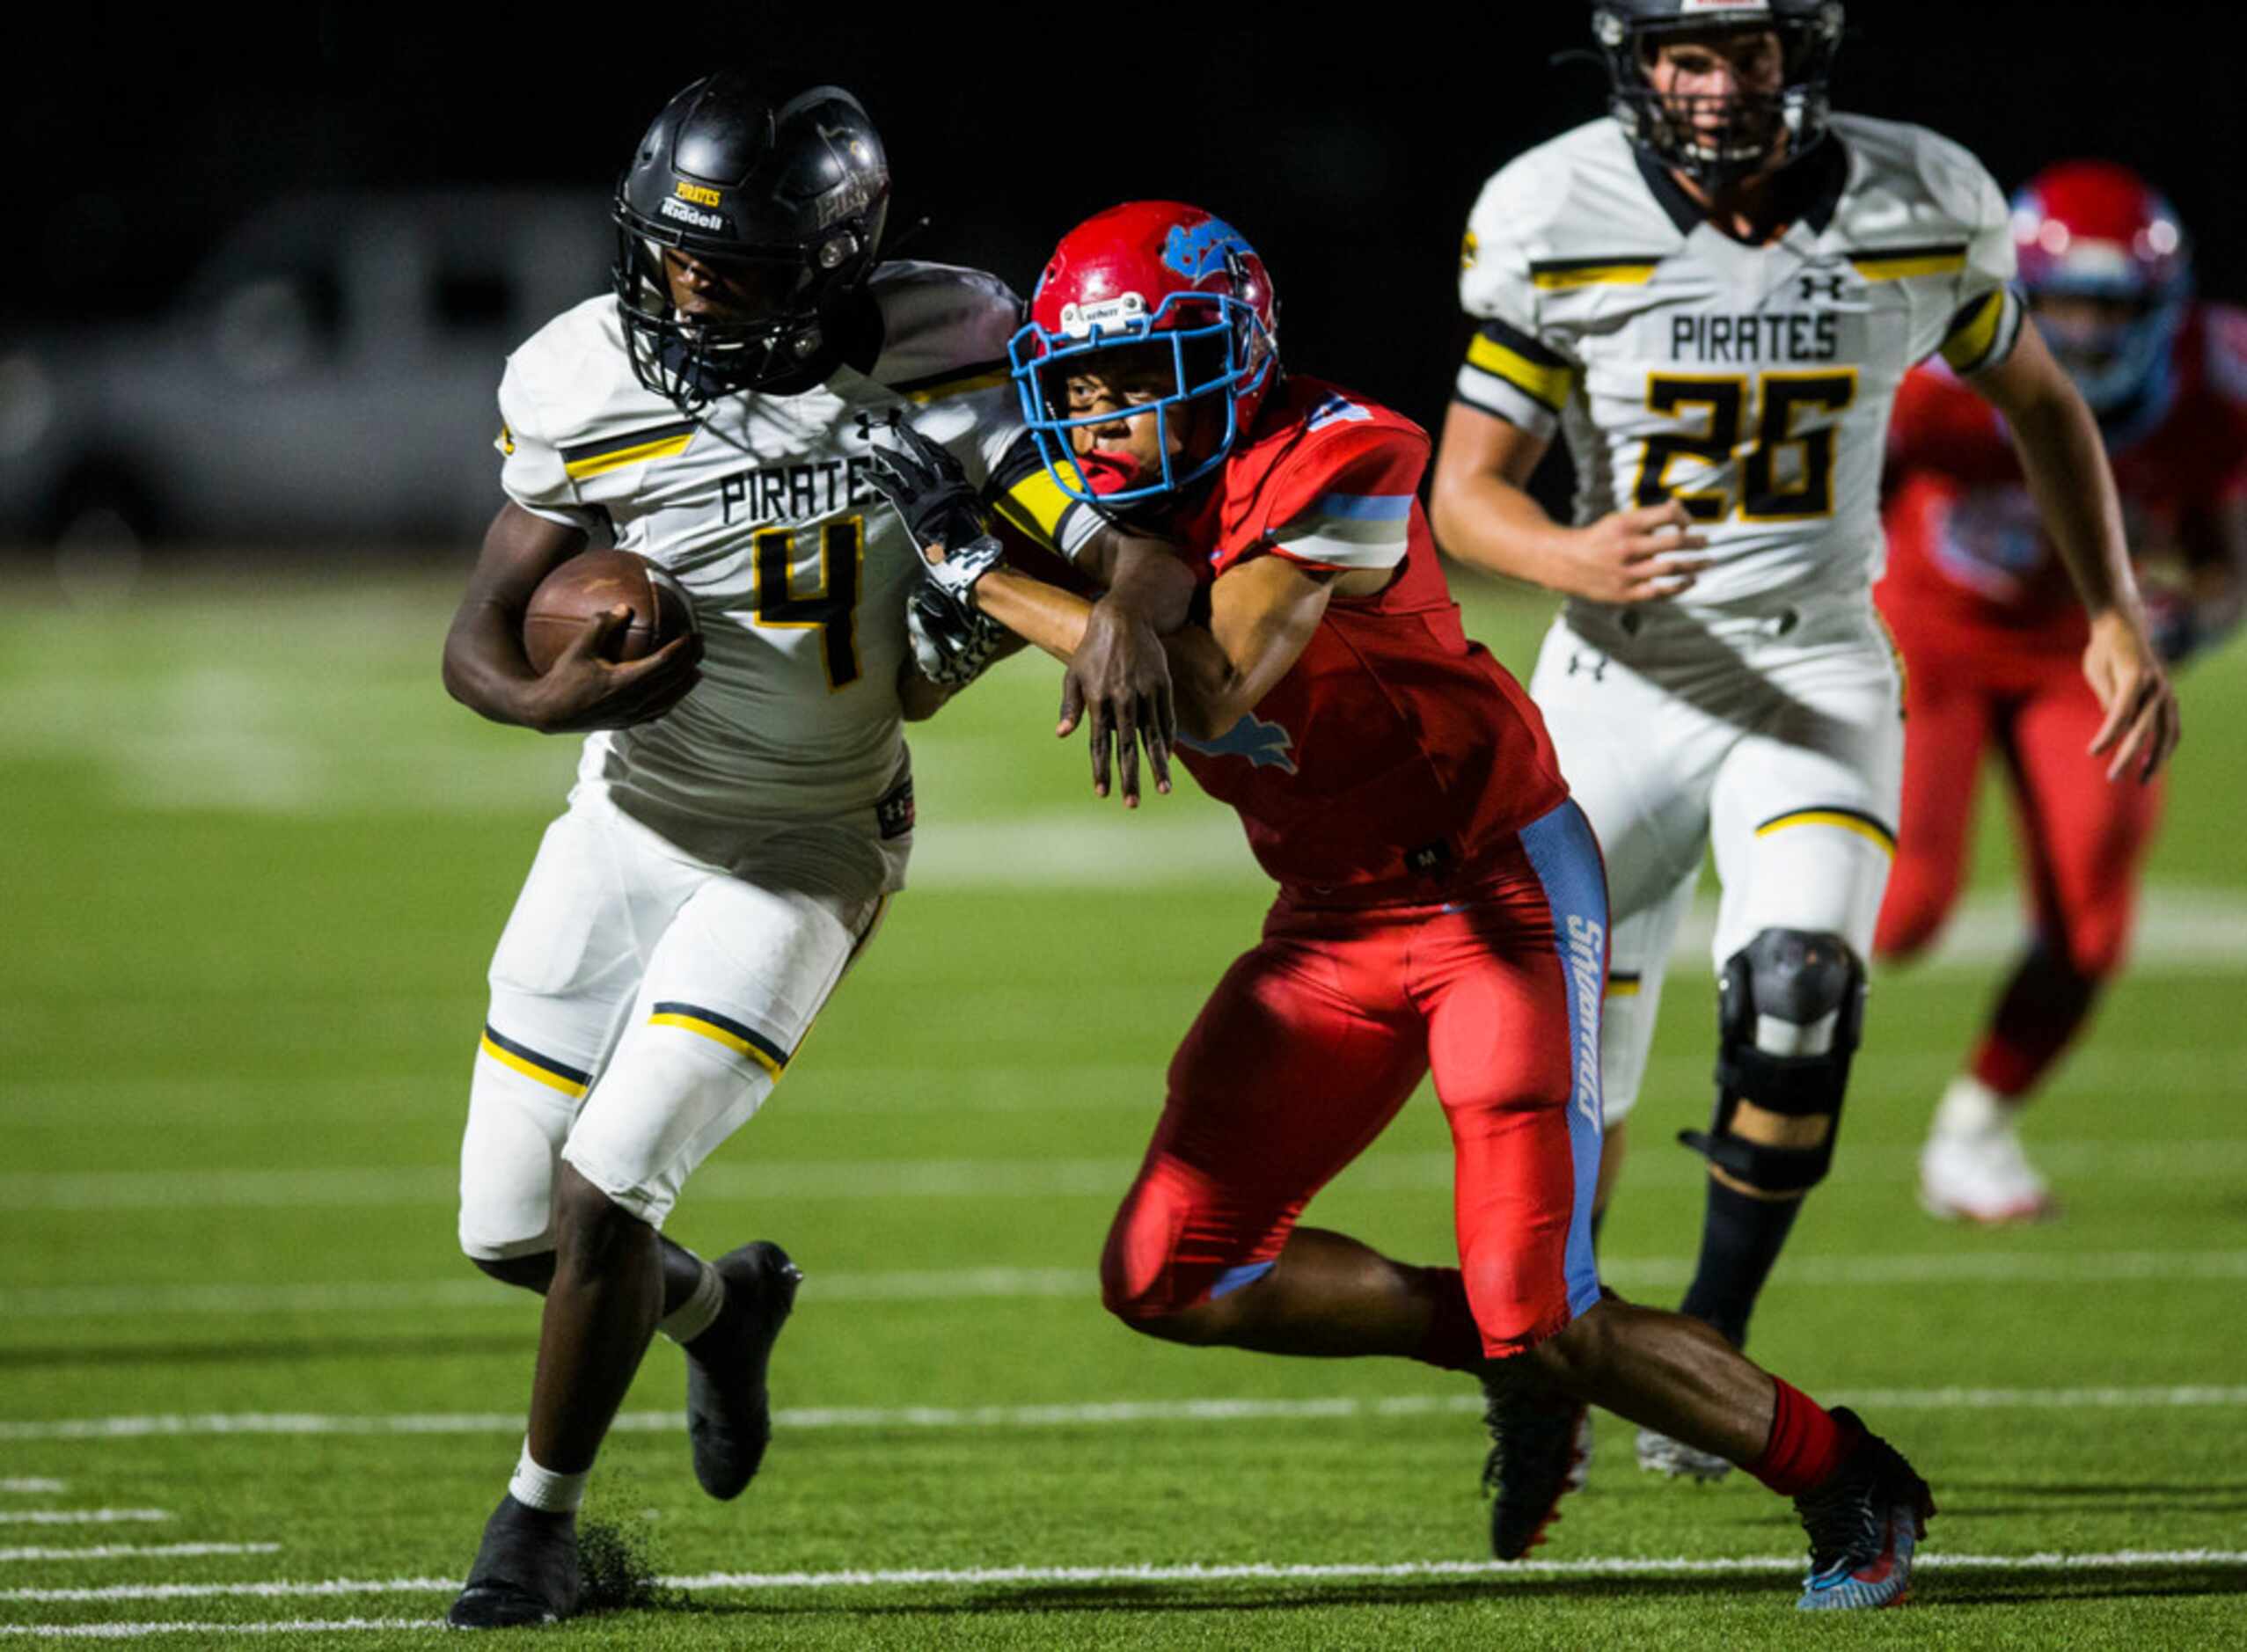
(1864, 1506)
(740, 970)
(1639, 761)
(1946, 730)
(562, 979)
(1802, 817)
(2085, 842)
(1511, 983)
(1303, 1054)
(731, 991)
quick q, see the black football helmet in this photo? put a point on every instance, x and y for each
(785, 201)
(1756, 125)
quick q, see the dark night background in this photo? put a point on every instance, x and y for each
(1348, 146)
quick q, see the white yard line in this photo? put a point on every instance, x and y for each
(144, 1631)
(136, 1551)
(1191, 1572)
(1079, 1414)
(791, 1182)
(81, 1517)
(100, 1302)
(32, 1486)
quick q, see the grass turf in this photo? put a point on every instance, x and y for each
(259, 862)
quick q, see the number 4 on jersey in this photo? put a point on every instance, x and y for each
(1788, 473)
(830, 606)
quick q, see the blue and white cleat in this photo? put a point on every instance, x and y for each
(1865, 1523)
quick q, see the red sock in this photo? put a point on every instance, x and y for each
(1806, 1443)
(1453, 1341)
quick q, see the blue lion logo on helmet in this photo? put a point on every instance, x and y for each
(1194, 253)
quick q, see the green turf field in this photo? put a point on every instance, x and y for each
(255, 864)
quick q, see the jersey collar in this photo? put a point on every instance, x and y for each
(1809, 188)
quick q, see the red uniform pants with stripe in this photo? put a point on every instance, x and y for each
(1315, 1040)
(2083, 839)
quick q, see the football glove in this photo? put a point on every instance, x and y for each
(930, 493)
(951, 647)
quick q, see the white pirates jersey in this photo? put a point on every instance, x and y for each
(1751, 384)
(798, 572)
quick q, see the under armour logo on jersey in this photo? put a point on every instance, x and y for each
(1592, 665)
(1194, 253)
(1833, 286)
(890, 420)
(1335, 410)
(1266, 745)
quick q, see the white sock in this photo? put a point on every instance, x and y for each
(1971, 1107)
(699, 1311)
(537, 1487)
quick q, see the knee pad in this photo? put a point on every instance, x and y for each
(1790, 1006)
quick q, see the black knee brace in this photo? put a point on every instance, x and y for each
(1790, 1005)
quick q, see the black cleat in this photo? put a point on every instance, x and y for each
(525, 1571)
(1865, 1524)
(1537, 1448)
(728, 1418)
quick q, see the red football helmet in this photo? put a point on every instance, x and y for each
(1147, 271)
(2096, 230)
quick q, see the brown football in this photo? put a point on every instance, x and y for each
(588, 586)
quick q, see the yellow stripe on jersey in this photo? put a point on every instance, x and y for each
(1548, 384)
(1622, 986)
(616, 459)
(1847, 819)
(1622, 273)
(1972, 333)
(720, 1029)
(964, 386)
(531, 1065)
(1035, 506)
(1905, 261)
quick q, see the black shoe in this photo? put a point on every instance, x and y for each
(525, 1570)
(728, 1419)
(1865, 1523)
(1534, 1453)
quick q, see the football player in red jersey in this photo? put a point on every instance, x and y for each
(1991, 637)
(1442, 906)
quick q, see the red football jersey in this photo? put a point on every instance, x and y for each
(1394, 750)
(1966, 550)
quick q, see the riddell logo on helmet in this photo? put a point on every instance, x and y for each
(700, 194)
(685, 214)
(1079, 321)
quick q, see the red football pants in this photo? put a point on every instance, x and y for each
(1314, 1040)
(2084, 839)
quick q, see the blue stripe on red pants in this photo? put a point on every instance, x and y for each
(1565, 856)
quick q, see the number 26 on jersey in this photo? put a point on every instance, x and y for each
(1786, 472)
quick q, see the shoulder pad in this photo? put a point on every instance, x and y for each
(1529, 194)
(940, 321)
(1948, 174)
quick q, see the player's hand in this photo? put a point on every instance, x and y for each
(582, 692)
(1632, 556)
(926, 486)
(1121, 676)
(2141, 727)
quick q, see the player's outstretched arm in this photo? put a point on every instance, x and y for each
(485, 668)
(1484, 515)
(1261, 614)
(2058, 443)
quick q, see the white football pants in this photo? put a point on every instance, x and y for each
(1777, 738)
(644, 1003)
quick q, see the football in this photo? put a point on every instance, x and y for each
(590, 584)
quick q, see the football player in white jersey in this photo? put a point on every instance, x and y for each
(743, 808)
(1712, 295)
